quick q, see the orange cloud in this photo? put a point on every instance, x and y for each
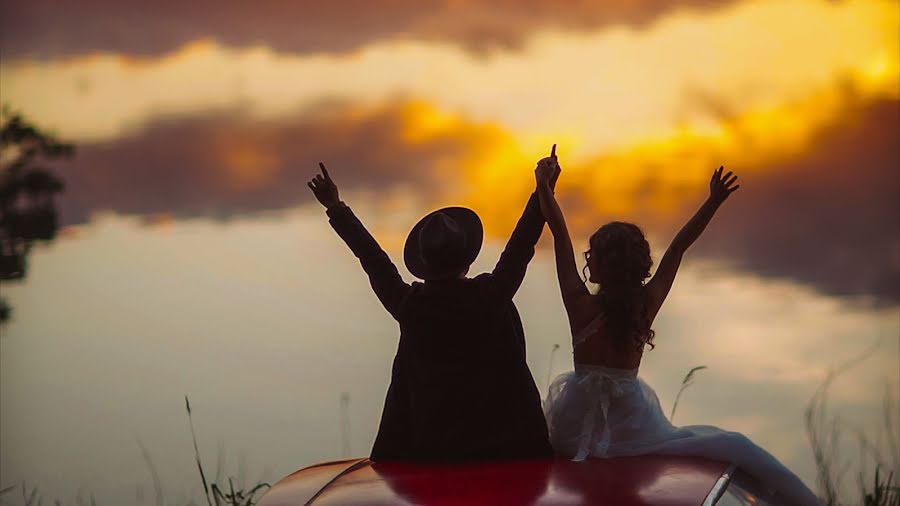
(656, 176)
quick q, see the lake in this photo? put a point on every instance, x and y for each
(267, 321)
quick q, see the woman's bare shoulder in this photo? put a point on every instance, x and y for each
(585, 311)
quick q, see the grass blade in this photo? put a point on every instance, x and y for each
(187, 404)
(686, 382)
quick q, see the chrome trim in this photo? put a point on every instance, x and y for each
(349, 469)
(719, 488)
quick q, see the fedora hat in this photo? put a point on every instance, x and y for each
(443, 243)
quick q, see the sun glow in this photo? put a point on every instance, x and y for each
(657, 175)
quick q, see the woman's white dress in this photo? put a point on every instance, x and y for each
(602, 412)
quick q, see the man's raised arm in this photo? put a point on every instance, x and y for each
(383, 276)
(510, 269)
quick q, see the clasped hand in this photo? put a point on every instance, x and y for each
(548, 170)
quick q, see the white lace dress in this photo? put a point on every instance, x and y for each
(602, 412)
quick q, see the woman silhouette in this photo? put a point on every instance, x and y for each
(602, 408)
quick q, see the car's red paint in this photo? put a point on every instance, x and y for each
(615, 482)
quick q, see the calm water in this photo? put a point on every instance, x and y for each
(265, 322)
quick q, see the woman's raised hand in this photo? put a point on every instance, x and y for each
(324, 189)
(720, 187)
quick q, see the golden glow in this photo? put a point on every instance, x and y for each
(880, 70)
(656, 176)
(423, 122)
(608, 88)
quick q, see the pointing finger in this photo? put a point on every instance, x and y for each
(553, 151)
(324, 171)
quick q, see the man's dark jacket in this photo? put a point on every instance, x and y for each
(460, 388)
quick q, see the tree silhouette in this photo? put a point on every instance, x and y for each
(27, 187)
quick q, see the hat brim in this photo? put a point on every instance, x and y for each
(471, 226)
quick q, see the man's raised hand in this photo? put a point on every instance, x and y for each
(558, 170)
(324, 189)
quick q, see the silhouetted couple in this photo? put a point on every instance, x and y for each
(460, 387)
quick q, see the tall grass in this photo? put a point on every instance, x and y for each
(213, 492)
(216, 493)
(884, 491)
(826, 433)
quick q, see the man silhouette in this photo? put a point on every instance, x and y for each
(460, 387)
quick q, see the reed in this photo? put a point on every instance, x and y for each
(826, 433)
(687, 381)
(213, 492)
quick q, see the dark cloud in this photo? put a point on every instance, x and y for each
(829, 217)
(224, 164)
(53, 28)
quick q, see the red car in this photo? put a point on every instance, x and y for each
(614, 482)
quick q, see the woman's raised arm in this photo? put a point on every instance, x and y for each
(720, 187)
(570, 283)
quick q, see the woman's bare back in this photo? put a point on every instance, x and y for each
(594, 346)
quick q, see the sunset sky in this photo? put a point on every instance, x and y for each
(199, 110)
(197, 124)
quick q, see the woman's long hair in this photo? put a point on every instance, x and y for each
(618, 259)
